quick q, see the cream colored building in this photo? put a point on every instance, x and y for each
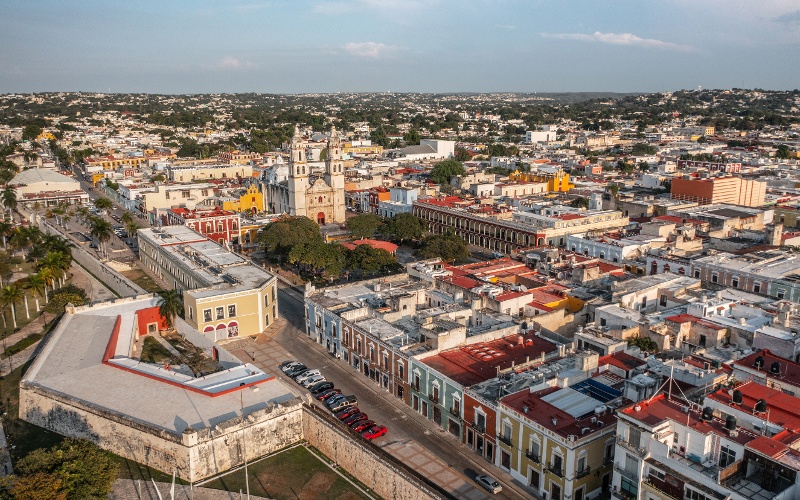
(224, 295)
(557, 441)
(190, 173)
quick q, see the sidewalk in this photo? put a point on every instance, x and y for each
(129, 489)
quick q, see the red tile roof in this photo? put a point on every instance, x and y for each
(377, 244)
(475, 363)
(790, 371)
(689, 318)
(621, 360)
(533, 407)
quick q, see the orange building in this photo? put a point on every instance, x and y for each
(728, 189)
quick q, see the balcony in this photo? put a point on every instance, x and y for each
(415, 386)
(631, 447)
(504, 439)
(630, 475)
(533, 457)
(583, 473)
(478, 427)
(434, 398)
(608, 461)
(557, 470)
(456, 412)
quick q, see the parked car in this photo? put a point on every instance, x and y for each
(314, 379)
(347, 412)
(341, 404)
(489, 483)
(326, 395)
(306, 375)
(287, 365)
(333, 399)
(362, 425)
(356, 417)
(375, 431)
(297, 370)
(320, 387)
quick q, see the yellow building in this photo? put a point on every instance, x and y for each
(111, 163)
(250, 200)
(224, 295)
(350, 149)
(557, 441)
(556, 181)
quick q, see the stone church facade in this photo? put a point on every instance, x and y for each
(307, 194)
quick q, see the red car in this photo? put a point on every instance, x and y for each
(347, 412)
(362, 425)
(356, 417)
(328, 394)
(374, 432)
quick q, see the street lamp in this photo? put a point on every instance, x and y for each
(244, 445)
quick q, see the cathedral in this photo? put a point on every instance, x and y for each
(303, 193)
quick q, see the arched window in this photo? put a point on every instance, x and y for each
(320, 199)
(221, 332)
(233, 329)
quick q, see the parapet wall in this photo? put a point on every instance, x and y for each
(194, 455)
(372, 466)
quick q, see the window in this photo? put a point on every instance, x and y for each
(697, 273)
(735, 282)
(726, 456)
(757, 287)
(629, 488)
(191, 312)
(533, 448)
(581, 463)
(634, 436)
(185, 194)
(780, 294)
(232, 310)
(663, 300)
(206, 315)
(220, 312)
(506, 434)
(602, 322)
(694, 495)
(400, 370)
(714, 277)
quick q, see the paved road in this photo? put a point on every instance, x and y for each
(405, 425)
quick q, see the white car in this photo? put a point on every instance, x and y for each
(491, 484)
(310, 373)
(312, 380)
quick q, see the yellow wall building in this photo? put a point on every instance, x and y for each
(555, 444)
(252, 200)
(224, 295)
(556, 182)
(349, 149)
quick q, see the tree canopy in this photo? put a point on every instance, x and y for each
(363, 225)
(445, 170)
(281, 236)
(448, 247)
(404, 226)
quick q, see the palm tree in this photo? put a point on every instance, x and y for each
(10, 295)
(55, 263)
(101, 229)
(127, 218)
(170, 306)
(48, 279)
(6, 231)
(131, 227)
(103, 203)
(9, 200)
(37, 285)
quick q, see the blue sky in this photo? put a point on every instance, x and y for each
(297, 46)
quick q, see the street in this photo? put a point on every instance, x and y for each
(403, 423)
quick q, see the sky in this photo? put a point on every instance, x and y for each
(304, 46)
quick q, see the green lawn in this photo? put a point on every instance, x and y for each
(153, 351)
(22, 344)
(142, 279)
(291, 474)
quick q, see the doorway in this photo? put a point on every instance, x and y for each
(321, 218)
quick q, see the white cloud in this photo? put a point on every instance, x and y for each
(619, 39)
(371, 50)
(230, 62)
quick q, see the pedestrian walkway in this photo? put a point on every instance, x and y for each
(161, 283)
(129, 489)
(266, 353)
(96, 290)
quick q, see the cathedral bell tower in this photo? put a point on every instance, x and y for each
(334, 175)
(298, 175)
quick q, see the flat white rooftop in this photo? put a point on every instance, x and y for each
(71, 364)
